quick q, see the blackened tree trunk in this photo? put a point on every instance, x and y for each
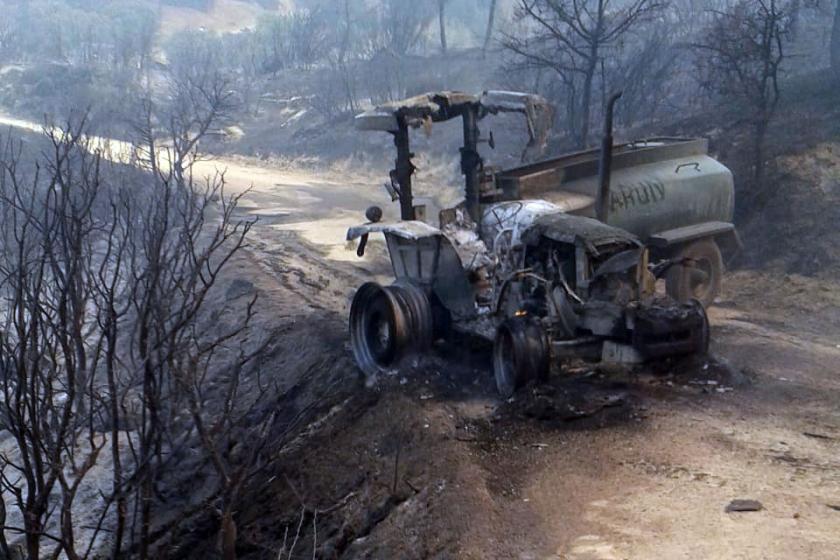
(586, 100)
(758, 152)
(442, 24)
(579, 33)
(835, 41)
(491, 21)
(346, 42)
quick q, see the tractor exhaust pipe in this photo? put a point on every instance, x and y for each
(403, 171)
(605, 162)
(471, 163)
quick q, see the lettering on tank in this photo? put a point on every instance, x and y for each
(641, 194)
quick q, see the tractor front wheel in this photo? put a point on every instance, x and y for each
(520, 354)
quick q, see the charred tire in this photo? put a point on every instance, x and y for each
(521, 353)
(386, 323)
(417, 313)
(701, 280)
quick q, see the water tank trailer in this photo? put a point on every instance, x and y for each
(551, 261)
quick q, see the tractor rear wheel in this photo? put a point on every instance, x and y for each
(700, 276)
(520, 354)
(386, 323)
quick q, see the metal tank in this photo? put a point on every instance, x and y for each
(655, 185)
(555, 260)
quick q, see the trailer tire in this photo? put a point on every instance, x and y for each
(521, 353)
(700, 281)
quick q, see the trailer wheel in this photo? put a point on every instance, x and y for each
(520, 354)
(386, 323)
(700, 278)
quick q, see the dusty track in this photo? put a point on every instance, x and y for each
(594, 466)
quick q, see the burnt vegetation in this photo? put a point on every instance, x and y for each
(107, 358)
(121, 361)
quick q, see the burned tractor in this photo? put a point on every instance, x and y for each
(551, 261)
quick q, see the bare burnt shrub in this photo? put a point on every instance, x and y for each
(112, 357)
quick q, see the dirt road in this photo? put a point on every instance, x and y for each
(594, 465)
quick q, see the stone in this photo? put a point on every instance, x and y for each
(743, 505)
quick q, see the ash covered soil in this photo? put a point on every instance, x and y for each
(596, 464)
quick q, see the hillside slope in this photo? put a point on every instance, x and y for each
(225, 16)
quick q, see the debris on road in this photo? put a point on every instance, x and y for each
(743, 505)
